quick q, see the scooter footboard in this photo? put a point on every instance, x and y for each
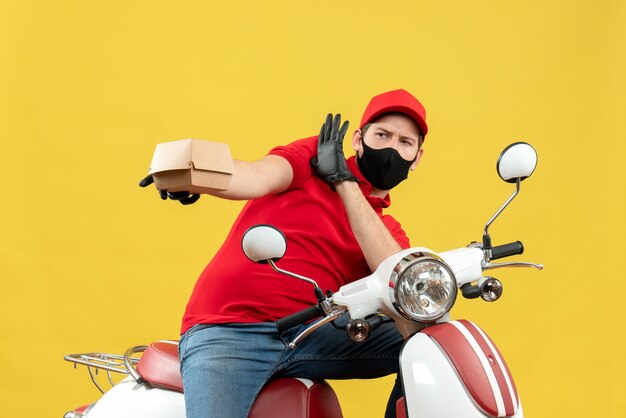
(454, 369)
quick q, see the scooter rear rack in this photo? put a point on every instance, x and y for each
(101, 361)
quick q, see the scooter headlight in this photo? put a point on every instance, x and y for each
(422, 287)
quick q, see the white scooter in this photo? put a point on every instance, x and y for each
(448, 368)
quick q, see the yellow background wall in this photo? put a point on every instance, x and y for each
(89, 261)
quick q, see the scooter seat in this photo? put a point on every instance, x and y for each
(159, 365)
(287, 397)
(281, 397)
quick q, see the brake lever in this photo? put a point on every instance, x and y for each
(491, 266)
(331, 317)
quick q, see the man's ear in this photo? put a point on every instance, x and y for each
(418, 157)
(356, 140)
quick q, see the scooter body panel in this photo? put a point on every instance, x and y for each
(435, 386)
(128, 399)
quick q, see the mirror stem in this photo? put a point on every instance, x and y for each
(319, 294)
(486, 237)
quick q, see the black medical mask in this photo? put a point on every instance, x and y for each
(383, 168)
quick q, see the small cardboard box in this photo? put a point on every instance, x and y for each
(192, 165)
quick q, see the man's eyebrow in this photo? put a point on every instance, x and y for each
(381, 129)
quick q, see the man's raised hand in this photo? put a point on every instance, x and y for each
(330, 162)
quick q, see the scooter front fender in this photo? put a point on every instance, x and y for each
(128, 399)
(454, 369)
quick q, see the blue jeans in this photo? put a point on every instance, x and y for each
(225, 366)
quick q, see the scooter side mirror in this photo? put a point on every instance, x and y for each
(262, 243)
(517, 161)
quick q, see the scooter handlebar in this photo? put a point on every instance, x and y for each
(299, 318)
(506, 250)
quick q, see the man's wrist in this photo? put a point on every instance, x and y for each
(345, 185)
